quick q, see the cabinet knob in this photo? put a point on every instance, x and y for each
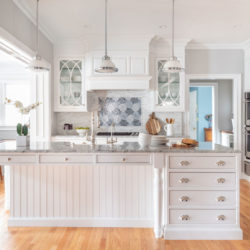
(184, 180)
(123, 159)
(9, 159)
(184, 199)
(221, 198)
(184, 163)
(66, 159)
(221, 217)
(184, 217)
(221, 180)
(220, 163)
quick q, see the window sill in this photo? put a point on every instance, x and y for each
(9, 128)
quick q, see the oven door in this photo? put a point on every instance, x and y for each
(247, 142)
(247, 110)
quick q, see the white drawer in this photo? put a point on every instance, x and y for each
(14, 159)
(202, 179)
(202, 216)
(188, 162)
(66, 158)
(202, 198)
(123, 158)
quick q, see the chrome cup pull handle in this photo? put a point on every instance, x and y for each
(66, 159)
(184, 180)
(221, 180)
(184, 163)
(221, 163)
(184, 199)
(184, 217)
(221, 198)
(221, 218)
(124, 159)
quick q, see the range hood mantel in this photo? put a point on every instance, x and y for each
(118, 82)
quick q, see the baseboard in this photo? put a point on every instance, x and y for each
(179, 233)
(79, 222)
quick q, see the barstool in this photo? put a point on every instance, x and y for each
(1, 173)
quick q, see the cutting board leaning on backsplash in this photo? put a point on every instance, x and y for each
(153, 125)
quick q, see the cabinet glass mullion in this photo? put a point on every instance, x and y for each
(70, 82)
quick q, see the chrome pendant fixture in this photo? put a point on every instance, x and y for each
(37, 64)
(107, 65)
(173, 65)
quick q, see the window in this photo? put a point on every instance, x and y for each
(14, 90)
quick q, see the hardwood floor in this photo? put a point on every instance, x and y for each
(111, 238)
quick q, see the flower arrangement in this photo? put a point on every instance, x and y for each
(22, 128)
(208, 118)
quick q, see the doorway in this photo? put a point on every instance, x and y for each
(201, 113)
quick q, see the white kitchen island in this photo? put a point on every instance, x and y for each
(182, 194)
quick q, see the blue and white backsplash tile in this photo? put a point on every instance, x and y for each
(122, 111)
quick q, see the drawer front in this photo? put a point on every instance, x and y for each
(202, 216)
(14, 159)
(123, 158)
(184, 162)
(202, 198)
(202, 180)
(66, 159)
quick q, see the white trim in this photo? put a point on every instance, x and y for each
(27, 12)
(79, 222)
(215, 46)
(7, 128)
(216, 135)
(199, 233)
(237, 90)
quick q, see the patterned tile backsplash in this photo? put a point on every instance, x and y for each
(122, 111)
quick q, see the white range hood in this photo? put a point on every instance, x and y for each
(118, 82)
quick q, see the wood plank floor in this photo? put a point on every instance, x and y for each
(110, 238)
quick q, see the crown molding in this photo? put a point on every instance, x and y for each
(214, 46)
(27, 12)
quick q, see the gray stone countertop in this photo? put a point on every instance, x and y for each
(124, 147)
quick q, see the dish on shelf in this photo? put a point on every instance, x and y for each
(77, 79)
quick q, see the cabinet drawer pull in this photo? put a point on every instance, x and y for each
(124, 159)
(66, 159)
(184, 163)
(221, 198)
(184, 199)
(9, 159)
(221, 217)
(184, 217)
(221, 163)
(221, 180)
(184, 180)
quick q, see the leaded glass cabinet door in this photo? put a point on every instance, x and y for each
(70, 82)
(169, 90)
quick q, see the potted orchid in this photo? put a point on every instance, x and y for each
(22, 128)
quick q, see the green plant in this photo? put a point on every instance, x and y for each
(82, 128)
(19, 129)
(25, 130)
(22, 129)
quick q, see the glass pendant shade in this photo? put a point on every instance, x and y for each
(107, 66)
(37, 65)
(173, 65)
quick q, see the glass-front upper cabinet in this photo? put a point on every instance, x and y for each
(170, 89)
(70, 90)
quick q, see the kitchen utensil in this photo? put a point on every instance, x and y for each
(190, 142)
(153, 125)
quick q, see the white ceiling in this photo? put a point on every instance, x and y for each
(204, 21)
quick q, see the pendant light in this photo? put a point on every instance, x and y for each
(37, 64)
(173, 65)
(107, 65)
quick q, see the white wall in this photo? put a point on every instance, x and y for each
(214, 62)
(13, 20)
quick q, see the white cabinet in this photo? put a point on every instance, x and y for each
(70, 95)
(169, 89)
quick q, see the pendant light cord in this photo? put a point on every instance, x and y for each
(173, 29)
(106, 28)
(37, 29)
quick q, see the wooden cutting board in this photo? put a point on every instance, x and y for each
(153, 125)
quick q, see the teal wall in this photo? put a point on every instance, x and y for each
(204, 106)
